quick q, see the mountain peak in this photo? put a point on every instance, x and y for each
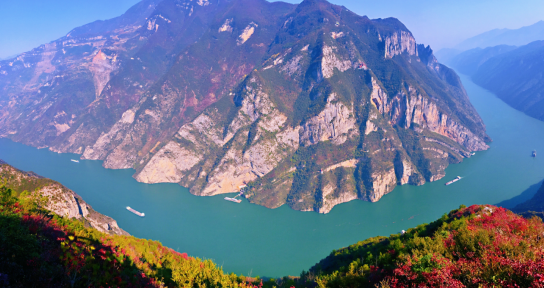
(246, 93)
(311, 5)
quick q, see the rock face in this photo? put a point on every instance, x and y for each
(57, 198)
(399, 43)
(308, 105)
(336, 122)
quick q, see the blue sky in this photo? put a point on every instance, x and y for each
(26, 24)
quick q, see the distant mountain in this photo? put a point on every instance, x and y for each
(495, 37)
(515, 37)
(444, 55)
(309, 105)
(469, 61)
(533, 206)
(517, 77)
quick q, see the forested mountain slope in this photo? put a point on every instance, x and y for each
(39, 248)
(533, 206)
(478, 246)
(309, 105)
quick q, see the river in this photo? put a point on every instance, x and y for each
(253, 240)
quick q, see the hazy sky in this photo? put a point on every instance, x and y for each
(26, 24)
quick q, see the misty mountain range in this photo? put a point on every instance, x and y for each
(514, 74)
(510, 37)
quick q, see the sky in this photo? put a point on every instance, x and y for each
(26, 24)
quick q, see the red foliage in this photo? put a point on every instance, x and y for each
(441, 276)
(78, 257)
(495, 248)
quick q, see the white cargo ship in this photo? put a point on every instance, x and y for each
(135, 212)
(454, 180)
(233, 199)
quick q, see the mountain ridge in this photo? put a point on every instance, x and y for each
(515, 37)
(249, 97)
(512, 73)
(510, 37)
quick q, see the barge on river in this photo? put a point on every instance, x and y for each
(234, 198)
(135, 212)
(453, 181)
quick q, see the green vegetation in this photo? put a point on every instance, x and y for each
(461, 249)
(411, 142)
(478, 246)
(37, 246)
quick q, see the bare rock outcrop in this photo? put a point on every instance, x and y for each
(336, 123)
(58, 199)
(330, 61)
(382, 183)
(400, 42)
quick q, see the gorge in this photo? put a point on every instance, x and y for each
(245, 238)
(308, 105)
(339, 134)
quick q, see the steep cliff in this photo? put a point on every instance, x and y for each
(68, 94)
(56, 198)
(309, 105)
(322, 121)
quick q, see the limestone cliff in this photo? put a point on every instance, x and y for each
(336, 123)
(398, 43)
(308, 105)
(57, 198)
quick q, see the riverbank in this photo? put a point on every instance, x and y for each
(253, 240)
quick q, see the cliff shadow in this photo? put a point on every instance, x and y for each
(524, 196)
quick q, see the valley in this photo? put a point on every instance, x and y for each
(246, 238)
(326, 126)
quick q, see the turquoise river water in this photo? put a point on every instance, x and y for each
(254, 240)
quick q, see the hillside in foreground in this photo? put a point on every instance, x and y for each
(41, 249)
(478, 246)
